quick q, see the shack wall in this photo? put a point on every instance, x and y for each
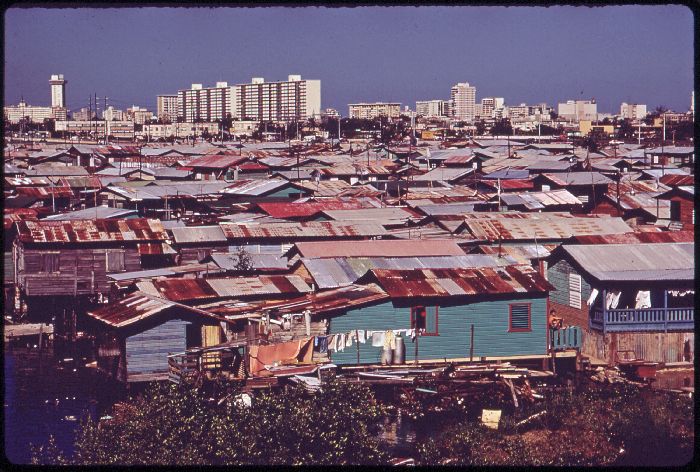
(147, 352)
(491, 331)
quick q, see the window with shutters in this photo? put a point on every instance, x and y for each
(49, 262)
(425, 319)
(115, 261)
(519, 317)
(575, 290)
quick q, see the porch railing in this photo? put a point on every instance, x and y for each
(570, 337)
(643, 319)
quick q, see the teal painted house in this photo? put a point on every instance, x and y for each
(505, 306)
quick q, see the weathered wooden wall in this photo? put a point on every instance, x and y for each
(491, 335)
(81, 271)
(651, 347)
(147, 352)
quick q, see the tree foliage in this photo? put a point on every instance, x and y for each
(180, 425)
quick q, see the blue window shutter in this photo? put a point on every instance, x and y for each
(520, 317)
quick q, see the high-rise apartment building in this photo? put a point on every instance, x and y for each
(369, 111)
(463, 98)
(138, 115)
(204, 104)
(295, 99)
(58, 91)
(578, 110)
(633, 111)
(432, 108)
(488, 106)
(166, 107)
(112, 114)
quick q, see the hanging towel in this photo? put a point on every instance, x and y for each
(378, 339)
(332, 342)
(591, 299)
(307, 322)
(322, 344)
(361, 336)
(643, 299)
(349, 339)
(412, 333)
(615, 299)
(389, 340)
(342, 338)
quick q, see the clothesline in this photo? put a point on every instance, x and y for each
(340, 341)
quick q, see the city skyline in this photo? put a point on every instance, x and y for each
(360, 55)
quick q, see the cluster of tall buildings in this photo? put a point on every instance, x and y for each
(290, 100)
(57, 110)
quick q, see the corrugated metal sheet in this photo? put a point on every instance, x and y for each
(379, 248)
(381, 214)
(200, 289)
(521, 254)
(198, 234)
(636, 262)
(315, 229)
(99, 212)
(137, 229)
(461, 282)
(540, 200)
(643, 237)
(261, 262)
(216, 161)
(131, 309)
(254, 187)
(310, 208)
(675, 180)
(578, 178)
(336, 272)
(551, 228)
(155, 249)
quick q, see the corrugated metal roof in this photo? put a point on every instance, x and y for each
(99, 212)
(634, 238)
(260, 262)
(297, 230)
(578, 178)
(540, 200)
(327, 188)
(461, 282)
(384, 215)
(198, 234)
(445, 174)
(336, 272)
(137, 229)
(636, 262)
(550, 228)
(521, 254)
(380, 248)
(216, 161)
(199, 289)
(675, 180)
(310, 208)
(254, 187)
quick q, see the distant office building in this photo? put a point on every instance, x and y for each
(138, 115)
(204, 104)
(463, 98)
(633, 111)
(58, 91)
(15, 113)
(578, 110)
(432, 108)
(489, 105)
(112, 114)
(295, 99)
(518, 112)
(330, 113)
(369, 111)
(166, 108)
(84, 114)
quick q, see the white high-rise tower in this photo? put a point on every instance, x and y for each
(463, 98)
(58, 91)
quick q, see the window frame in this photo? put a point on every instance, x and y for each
(573, 276)
(56, 265)
(109, 253)
(435, 312)
(511, 329)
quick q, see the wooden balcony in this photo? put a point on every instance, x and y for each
(642, 319)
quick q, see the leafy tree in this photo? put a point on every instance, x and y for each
(625, 130)
(180, 425)
(244, 263)
(502, 127)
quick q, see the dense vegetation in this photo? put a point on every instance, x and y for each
(588, 425)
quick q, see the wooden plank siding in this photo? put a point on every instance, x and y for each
(147, 352)
(193, 254)
(80, 271)
(558, 275)
(492, 337)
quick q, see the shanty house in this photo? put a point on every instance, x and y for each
(630, 298)
(461, 314)
(135, 335)
(682, 200)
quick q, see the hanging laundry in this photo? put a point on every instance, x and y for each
(643, 299)
(591, 299)
(412, 333)
(322, 344)
(332, 342)
(307, 322)
(342, 339)
(378, 339)
(349, 339)
(361, 336)
(612, 299)
(389, 340)
(616, 299)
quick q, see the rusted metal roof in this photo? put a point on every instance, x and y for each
(648, 237)
(91, 231)
(674, 180)
(255, 187)
(540, 200)
(44, 192)
(380, 248)
(336, 272)
(299, 230)
(328, 188)
(231, 287)
(318, 303)
(12, 215)
(139, 306)
(216, 161)
(543, 229)
(461, 282)
(155, 249)
(521, 254)
(511, 184)
(310, 208)
(577, 178)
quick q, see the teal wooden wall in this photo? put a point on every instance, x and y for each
(491, 336)
(147, 352)
(558, 275)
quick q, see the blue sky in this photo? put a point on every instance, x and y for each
(640, 54)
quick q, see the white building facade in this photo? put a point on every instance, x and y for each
(432, 108)
(369, 111)
(166, 107)
(577, 110)
(633, 111)
(58, 91)
(294, 99)
(463, 98)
